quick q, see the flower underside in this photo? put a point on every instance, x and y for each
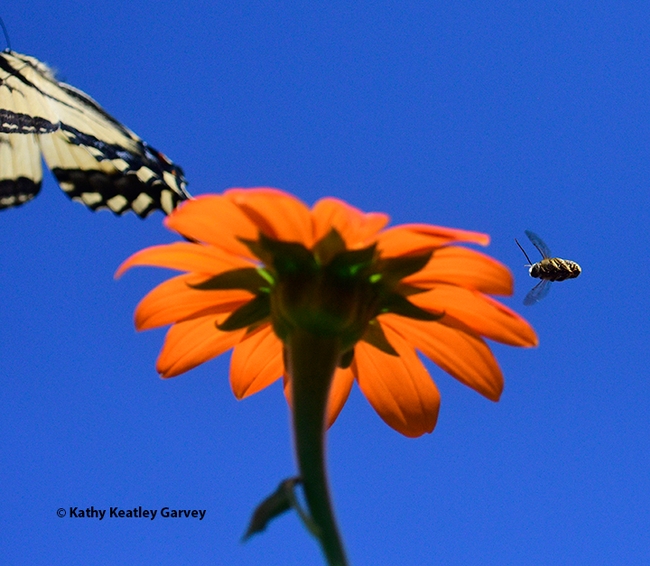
(329, 291)
(259, 264)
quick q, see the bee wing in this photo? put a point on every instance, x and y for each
(538, 292)
(542, 248)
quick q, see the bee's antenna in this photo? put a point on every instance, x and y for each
(4, 30)
(523, 250)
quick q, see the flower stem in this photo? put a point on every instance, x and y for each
(311, 362)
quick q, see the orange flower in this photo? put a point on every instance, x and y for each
(324, 297)
(259, 264)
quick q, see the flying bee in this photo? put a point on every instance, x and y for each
(548, 270)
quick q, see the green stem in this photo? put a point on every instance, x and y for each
(311, 362)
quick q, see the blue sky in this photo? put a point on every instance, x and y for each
(496, 117)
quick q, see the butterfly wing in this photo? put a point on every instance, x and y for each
(20, 169)
(95, 158)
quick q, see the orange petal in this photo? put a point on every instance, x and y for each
(465, 267)
(194, 342)
(482, 314)
(277, 214)
(215, 220)
(399, 388)
(174, 300)
(339, 393)
(357, 228)
(256, 362)
(184, 256)
(418, 238)
(455, 348)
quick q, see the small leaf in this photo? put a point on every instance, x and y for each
(247, 278)
(375, 336)
(287, 258)
(248, 314)
(399, 305)
(346, 359)
(353, 261)
(256, 249)
(407, 290)
(329, 246)
(280, 501)
(395, 269)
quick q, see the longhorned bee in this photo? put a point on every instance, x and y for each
(548, 270)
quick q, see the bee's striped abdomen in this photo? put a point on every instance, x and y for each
(555, 269)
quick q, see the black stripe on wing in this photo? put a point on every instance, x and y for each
(109, 176)
(96, 159)
(14, 192)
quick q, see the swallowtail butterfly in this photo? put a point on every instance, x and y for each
(96, 160)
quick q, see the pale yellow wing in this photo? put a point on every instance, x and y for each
(96, 159)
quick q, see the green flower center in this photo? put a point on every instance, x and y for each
(329, 291)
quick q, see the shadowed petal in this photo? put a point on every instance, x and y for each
(465, 267)
(277, 214)
(339, 393)
(419, 238)
(357, 228)
(174, 300)
(455, 348)
(215, 220)
(193, 342)
(184, 256)
(399, 388)
(256, 362)
(482, 314)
